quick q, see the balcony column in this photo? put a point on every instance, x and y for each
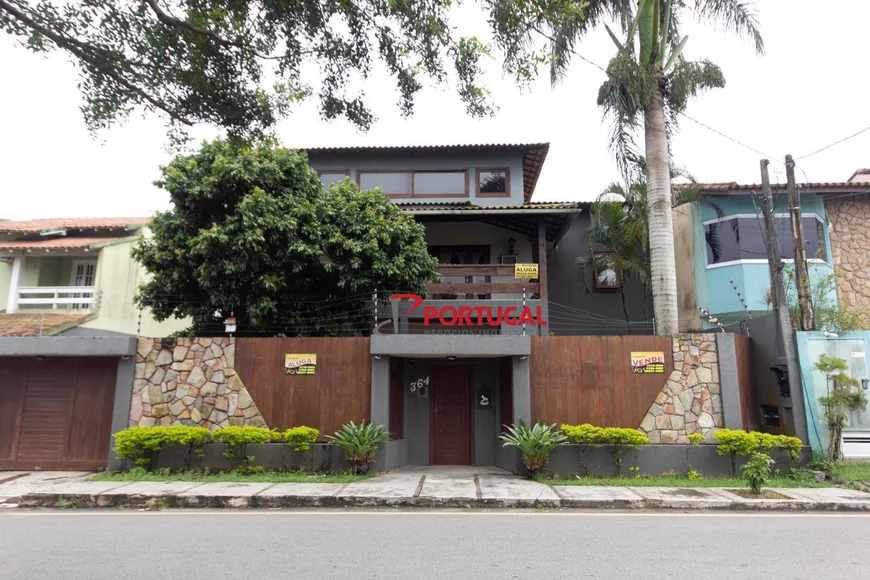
(542, 259)
(15, 284)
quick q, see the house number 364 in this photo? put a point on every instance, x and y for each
(419, 384)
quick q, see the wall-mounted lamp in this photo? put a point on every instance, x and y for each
(377, 357)
(451, 358)
(831, 334)
(524, 357)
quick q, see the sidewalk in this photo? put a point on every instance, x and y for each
(427, 487)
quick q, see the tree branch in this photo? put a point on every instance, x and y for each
(174, 22)
(81, 50)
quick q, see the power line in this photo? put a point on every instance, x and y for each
(826, 147)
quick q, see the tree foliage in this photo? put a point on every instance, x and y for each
(252, 235)
(843, 396)
(243, 64)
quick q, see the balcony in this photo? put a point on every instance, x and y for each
(476, 281)
(52, 297)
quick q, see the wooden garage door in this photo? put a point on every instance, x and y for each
(56, 413)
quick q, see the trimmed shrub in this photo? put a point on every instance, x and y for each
(360, 443)
(584, 434)
(300, 438)
(734, 442)
(620, 438)
(237, 440)
(142, 444)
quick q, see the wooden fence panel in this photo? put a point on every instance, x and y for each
(338, 392)
(749, 409)
(588, 379)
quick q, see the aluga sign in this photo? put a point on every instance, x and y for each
(475, 315)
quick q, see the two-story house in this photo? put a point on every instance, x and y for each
(722, 264)
(449, 367)
(73, 277)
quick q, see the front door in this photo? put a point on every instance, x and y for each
(450, 415)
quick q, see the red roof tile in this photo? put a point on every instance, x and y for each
(744, 188)
(39, 225)
(57, 243)
(38, 324)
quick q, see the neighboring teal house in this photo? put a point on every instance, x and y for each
(721, 257)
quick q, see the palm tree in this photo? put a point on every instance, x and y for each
(615, 239)
(650, 82)
(619, 229)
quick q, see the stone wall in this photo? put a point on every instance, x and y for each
(190, 381)
(850, 240)
(691, 400)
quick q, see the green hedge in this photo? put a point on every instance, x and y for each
(142, 444)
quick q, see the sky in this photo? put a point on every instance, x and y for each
(804, 93)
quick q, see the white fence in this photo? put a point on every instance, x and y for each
(54, 296)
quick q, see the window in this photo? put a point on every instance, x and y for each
(742, 238)
(327, 178)
(493, 183)
(440, 183)
(417, 182)
(606, 276)
(396, 183)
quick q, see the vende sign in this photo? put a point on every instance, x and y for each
(474, 315)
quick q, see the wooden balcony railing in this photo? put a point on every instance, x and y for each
(475, 280)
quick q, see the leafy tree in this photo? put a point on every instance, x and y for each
(243, 64)
(844, 395)
(252, 235)
(829, 314)
(649, 83)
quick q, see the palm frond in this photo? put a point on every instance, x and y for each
(735, 16)
(688, 79)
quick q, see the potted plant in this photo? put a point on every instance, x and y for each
(360, 443)
(535, 443)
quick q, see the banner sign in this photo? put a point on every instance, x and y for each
(648, 362)
(300, 364)
(476, 316)
(525, 271)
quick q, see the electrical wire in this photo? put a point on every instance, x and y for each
(835, 143)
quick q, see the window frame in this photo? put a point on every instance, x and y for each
(595, 273)
(507, 182)
(412, 172)
(821, 229)
(321, 172)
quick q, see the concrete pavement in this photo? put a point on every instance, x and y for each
(421, 487)
(398, 544)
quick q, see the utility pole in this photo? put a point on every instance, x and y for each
(800, 252)
(786, 357)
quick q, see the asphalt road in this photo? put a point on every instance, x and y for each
(193, 545)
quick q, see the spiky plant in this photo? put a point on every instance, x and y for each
(535, 443)
(360, 443)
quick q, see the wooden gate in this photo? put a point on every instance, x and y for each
(56, 413)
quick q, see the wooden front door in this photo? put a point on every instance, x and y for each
(450, 415)
(56, 413)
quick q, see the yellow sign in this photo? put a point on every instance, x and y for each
(647, 362)
(300, 364)
(525, 271)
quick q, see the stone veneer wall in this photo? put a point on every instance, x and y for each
(190, 382)
(691, 400)
(850, 240)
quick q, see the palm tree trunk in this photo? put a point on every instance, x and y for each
(625, 307)
(661, 221)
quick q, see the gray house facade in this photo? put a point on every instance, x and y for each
(449, 369)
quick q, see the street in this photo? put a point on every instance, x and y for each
(218, 545)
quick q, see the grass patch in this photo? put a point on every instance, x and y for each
(854, 470)
(138, 474)
(678, 481)
(765, 494)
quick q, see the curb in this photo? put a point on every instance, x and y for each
(158, 502)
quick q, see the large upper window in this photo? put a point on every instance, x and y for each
(742, 238)
(327, 178)
(417, 183)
